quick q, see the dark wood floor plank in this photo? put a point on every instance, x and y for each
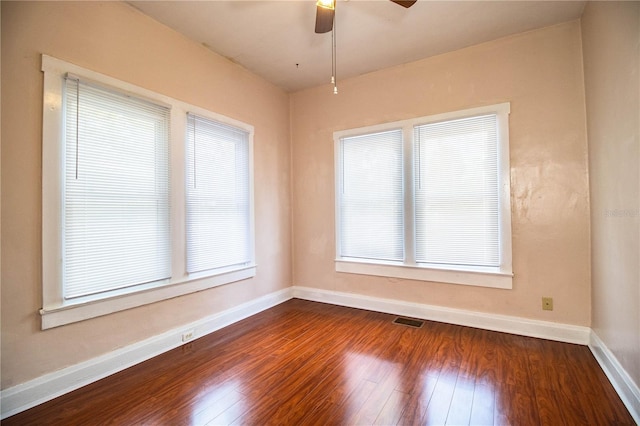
(316, 364)
(461, 401)
(485, 361)
(210, 408)
(465, 341)
(522, 408)
(373, 406)
(392, 410)
(420, 362)
(440, 402)
(351, 405)
(547, 406)
(483, 405)
(420, 397)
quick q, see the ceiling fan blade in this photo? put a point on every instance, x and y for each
(404, 3)
(324, 19)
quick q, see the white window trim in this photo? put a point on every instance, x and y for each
(57, 311)
(501, 277)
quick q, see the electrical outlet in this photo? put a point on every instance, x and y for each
(547, 303)
(187, 335)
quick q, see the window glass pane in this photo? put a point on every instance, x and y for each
(371, 196)
(456, 192)
(116, 191)
(218, 209)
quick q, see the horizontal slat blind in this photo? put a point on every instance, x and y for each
(218, 209)
(116, 195)
(371, 196)
(456, 192)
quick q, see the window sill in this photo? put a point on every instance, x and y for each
(79, 310)
(473, 277)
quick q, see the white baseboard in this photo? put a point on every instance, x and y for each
(44, 388)
(26, 395)
(507, 324)
(624, 385)
(619, 378)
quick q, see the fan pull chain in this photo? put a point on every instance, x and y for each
(334, 78)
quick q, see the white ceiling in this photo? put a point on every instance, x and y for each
(276, 39)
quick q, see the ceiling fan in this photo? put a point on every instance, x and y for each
(325, 14)
(326, 9)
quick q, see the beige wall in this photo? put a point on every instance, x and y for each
(117, 40)
(540, 73)
(611, 42)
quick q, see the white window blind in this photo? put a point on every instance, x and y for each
(116, 191)
(218, 195)
(371, 196)
(457, 192)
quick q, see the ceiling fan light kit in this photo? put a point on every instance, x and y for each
(325, 12)
(325, 22)
(404, 3)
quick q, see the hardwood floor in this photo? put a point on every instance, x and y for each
(306, 363)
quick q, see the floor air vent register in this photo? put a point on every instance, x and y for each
(408, 322)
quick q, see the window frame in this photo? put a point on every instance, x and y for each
(57, 311)
(498, 277)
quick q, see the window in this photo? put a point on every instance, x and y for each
(456, 192)
(427, 199)
(116, 191)
(144, 197)
(371, 196)
(218, 215)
